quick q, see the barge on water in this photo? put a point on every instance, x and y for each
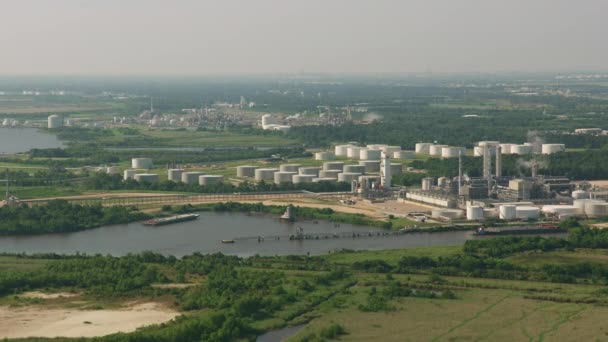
(540, 229)
(171, 219)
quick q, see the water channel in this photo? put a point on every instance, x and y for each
(15, 140)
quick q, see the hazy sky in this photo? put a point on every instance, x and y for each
(255, 36)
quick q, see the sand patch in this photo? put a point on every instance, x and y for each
(39, 322)
(42, 295)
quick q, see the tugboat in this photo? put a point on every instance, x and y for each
(171, 219)
(288, 215)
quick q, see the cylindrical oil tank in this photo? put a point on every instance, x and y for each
(567, 210)
(54, 121)
(348, 176)
(527, 212)
(488, 143)
(396, 168)
(535, 147)
(447, 213)
(266, 120)
(354, 169)
(474, 213)
(141, 163)
(147, 177)
(435, 150)
(521, 149)
(442, 182)
(390, 150)
(283, 177)
(376, 146)
(369, 154)
(423, 148)
(452, 152)
(329, 173)
(289, 167)
(403, 155)
(246, 171)
(427, 183)
(191, 177)
(506, 148)
(129, 174)
(336, 165)
(478, 151)
(324, 179)
(507, 212)
(341, 150)
(553, 148)
(310, 170)
(296, 179)
(596, 209)
(210, 179)
(175, 175)
(370, 165)
(265, 174)
(353, 152)
(324, 156)
(579, 194)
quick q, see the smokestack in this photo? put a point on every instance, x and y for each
(487, 162)
(534, 169)
(459, 172)
(385, 170)
(498, 161)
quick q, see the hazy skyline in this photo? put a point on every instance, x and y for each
(267, 36)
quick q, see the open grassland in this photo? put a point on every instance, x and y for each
(567, 258)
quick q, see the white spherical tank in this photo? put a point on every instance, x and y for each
(370, 165)
(324, 179)
(403, 155)
(435, 150)
(265, 174)
(507, 212)
(207, 180)
(324, 156)
(521, 149)
(283, 177)
(310, 170)
(129, 174)
(353, 152)
(329, 173)
(297, 179)
(579, 194)
(175, 175)
(348, 176)
(369, 154)
(360, 169)
(553, 148)
(341, 150)
(333, 166)
(474, 213)
(54, 121)
(141, 163)
(147, 177)
(423, 148)
(191, 177)
(527, 213)
(289, 167)
(452, 152)
(246, 171)
(596, 209)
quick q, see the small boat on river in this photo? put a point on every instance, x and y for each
(171, 219)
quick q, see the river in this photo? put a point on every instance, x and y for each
(205, 234)
(14, 140)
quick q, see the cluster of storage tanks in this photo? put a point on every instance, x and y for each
(369, 152)
(174, 175)
(446, 151)
(436, 150)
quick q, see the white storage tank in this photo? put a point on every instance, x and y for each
(435, 150)
(354, 169)
(595, 209)
(353, 152)
(210, 179)
(175, 175)
(423, 148)
(246, 171)
(507, 212)
(54, 121)
(403, 155)
(376, 146)
(129, 174)
(283, 177)
(396, 168)
(296, 179)
(390, 150)
(147, 177)
(329, 173)
(479, 150)
(191, 177)
(553, 148)
(442, 181)
(452, 152)
(336, 165)
(289, 167)
(527, 213)
(348, 176)
(341, 150)
(265, 174)
(310, 170)
(560, 210)
(370, 165)
(474, 213)
(369, 154)
(579, 194)
(324, 156)
(427, 183)
(488, 143)
(141, 163)
(324, 179)
(521, 149)
(506, 148)
(266, 121)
